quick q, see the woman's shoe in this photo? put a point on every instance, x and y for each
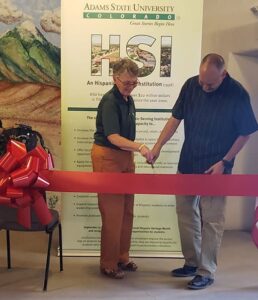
(130, 266)
(115, 274)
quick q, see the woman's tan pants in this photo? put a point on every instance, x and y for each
(116, 210)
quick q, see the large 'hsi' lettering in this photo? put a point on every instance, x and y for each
(135, 51)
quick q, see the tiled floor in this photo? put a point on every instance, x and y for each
(236, 278)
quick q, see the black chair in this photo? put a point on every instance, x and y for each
(8, 222)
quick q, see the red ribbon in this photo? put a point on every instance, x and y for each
(179, 184)
(20, 182)
(162, 184)
(24, 173)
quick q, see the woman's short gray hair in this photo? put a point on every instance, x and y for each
(125, 64)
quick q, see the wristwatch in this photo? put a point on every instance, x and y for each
(227, 164)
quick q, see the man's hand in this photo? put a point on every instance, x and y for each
(155, 153)
(217, 168)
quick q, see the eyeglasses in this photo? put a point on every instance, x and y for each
(128, 83)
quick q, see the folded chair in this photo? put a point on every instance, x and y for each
(8, 222)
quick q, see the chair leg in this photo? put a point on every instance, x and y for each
(8, 249)
(60, 246)
(48, 260)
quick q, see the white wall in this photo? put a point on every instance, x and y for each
(225, 23)
(231, 29)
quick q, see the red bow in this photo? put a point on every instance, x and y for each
(21, 184)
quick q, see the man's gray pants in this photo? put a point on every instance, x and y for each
(201, 225)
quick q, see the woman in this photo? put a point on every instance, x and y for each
(112, 151)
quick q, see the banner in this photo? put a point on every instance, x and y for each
(164, 39)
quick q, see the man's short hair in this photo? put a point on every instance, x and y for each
(214, 59)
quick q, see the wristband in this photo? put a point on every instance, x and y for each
(227, 164)
(141, 146)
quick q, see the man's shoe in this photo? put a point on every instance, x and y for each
(185, 271)
(200, 282)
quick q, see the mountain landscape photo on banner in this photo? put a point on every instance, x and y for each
(30, 71)
(30, 75)
(26, 56)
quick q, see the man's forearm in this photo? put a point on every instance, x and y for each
(236, 147)
(168, 131)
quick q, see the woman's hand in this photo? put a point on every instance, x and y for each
(146, 152)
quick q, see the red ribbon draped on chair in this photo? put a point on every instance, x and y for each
(21, 185)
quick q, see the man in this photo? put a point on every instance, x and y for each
(218, 120)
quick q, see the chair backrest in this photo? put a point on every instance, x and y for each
(24, 134)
